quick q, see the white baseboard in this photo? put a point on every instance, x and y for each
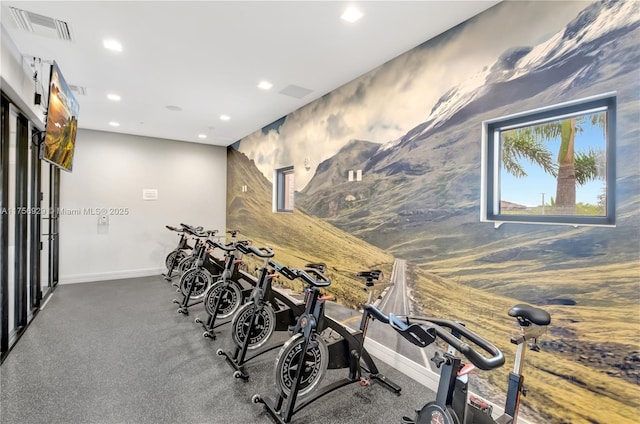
(418, 372)
(113, 275)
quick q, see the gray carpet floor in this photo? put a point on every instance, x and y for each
(117, 352)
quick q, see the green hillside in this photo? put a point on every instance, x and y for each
(584, 372)
(586, 359)
(297, 238)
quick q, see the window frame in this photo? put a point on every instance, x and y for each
(280, 189)
(491, 161)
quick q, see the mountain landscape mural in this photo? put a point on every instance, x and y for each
(412, 129)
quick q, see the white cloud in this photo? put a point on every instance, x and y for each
(385, 103)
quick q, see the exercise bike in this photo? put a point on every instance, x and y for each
(180, 252)
(453, 405)
(196, 280)
(223, 299)
(267, 310)
(304, 359)
(200, 236)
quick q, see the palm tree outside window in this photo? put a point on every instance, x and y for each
(552, 165)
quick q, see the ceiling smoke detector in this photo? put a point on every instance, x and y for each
(41, 25)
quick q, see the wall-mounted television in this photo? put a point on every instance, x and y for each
(62, 122)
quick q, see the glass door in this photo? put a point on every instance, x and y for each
(5, 313)
(54, 226)
(35, 220)
(11, 220)
(20, 225)
(44, 227)
(21, 214)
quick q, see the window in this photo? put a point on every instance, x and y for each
(284, 189)
(354, 175)
(554, 165)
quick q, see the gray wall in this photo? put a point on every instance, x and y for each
(110, 171)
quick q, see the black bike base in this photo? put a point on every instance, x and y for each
(168, 277)
(504, 419)
(209, 332)
(272, 409)
(185, 309)
(233, 362)
(239, 368)
(276, 407)
(390, 385)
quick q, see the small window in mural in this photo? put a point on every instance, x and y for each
(552, 166)
(285, 189)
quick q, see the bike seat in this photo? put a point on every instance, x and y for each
(530, 313)
(171, 228)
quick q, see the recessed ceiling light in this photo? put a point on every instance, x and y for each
(174, 108)
(351, 14)
(202, 136)
(113, 97)
(265, 85)
(114, 124)
(112, 45)
(224, 117)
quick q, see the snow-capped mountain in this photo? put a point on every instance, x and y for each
(583, 38)
(590, 25)
(435, 165)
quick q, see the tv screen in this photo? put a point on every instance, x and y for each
(62, 122)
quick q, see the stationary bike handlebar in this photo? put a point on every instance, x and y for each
(198, 231)
(191, 228)
(419, 334)
(318, 279)
(320, 266)
(229, 247)
(193, 232)
(261, 252)
(205, 233)
(478, 359)
(424, 334)
(374, 274)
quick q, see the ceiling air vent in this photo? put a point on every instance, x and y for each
(40, 24)
(79, 90)
(295, 91)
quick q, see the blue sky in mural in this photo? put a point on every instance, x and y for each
(529, 190)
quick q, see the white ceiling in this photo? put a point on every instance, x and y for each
(207, 57)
